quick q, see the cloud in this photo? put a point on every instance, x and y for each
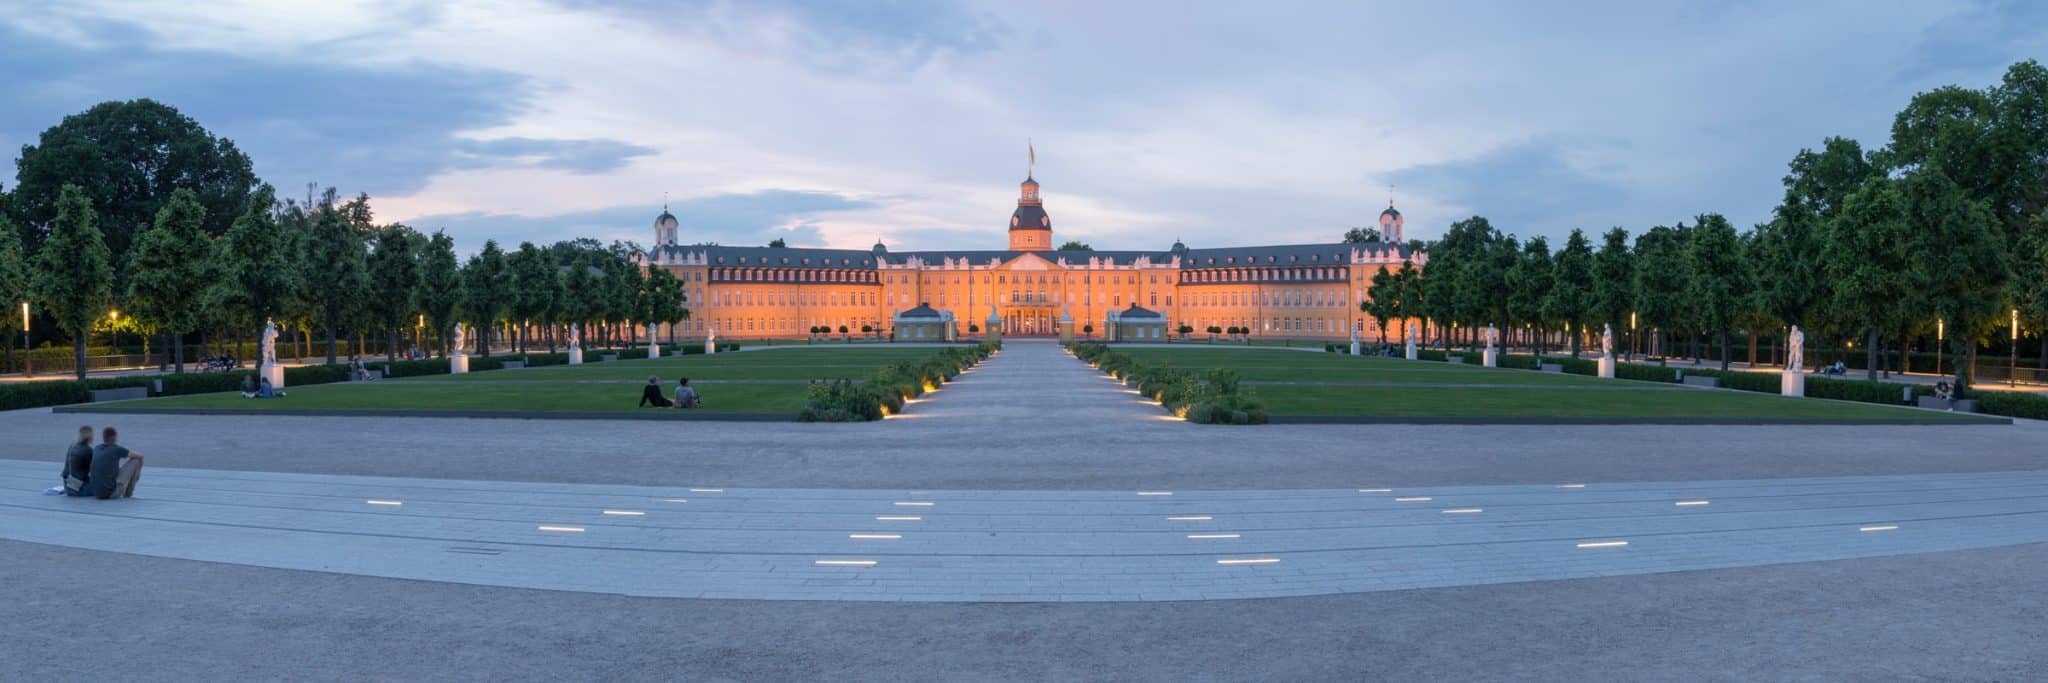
(1527, 188)
(736, 219)
(575, 156)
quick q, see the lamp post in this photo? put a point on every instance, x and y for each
(1939, 330)
(2013, 370)
(1632, 338)
(113, 335)
(28, 363)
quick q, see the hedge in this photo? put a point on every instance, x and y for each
(2012, 404)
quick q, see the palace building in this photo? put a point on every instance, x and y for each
(1291, 291)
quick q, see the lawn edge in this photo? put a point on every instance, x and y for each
(669, 415)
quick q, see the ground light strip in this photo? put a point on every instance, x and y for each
(1190, 518)
(1571, 486)
(1602, 544)
(1880, 527)
(1155, 493)
(675, 500)
(1375, 490)
(913, 504)
(1464, 511)
(563, 529)
(707, 490)
(874, 537)
(1248, 560)
(1199, 537)
(1690, 503)
(899, 518)
(1414, 499)
(392, 503)
(625, 513)
(844, 563)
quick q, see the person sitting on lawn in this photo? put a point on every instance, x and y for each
(115, 469)
(78, 463)
(651, 394)
(687, 397)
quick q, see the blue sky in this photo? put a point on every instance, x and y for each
(836, 124)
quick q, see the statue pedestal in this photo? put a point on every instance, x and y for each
(458, 364)
(575, 355)
(1354, 347)
(1411, 352)
(710, 346)
(653, 351)
(274, 373)
(1490, 357)
(1792, 383)
(1607, 367)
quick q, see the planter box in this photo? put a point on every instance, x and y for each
(1967, 405)
(121, 394)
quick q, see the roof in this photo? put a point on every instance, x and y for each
(922, 311)
(1136, 311)
(1391, 212)
(665, 217)
(779, 257)
(1283, 255)
(1030, 217)
(861, 259)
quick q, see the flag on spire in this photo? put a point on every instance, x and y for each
(1031, 151)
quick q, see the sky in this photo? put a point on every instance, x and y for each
(837, 124)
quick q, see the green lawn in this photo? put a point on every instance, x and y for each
(1464, 391)
(591, 387)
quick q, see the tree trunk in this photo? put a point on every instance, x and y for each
(1576, 333)
(178, 352)
(1724, 349)
(391, 345)
(78, 352)
(1752, 347)
(1967, 351)
(1870, 354)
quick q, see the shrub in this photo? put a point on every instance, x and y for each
(1862, 390)
(2012, 404)
(1431, 354)
(1763, 383)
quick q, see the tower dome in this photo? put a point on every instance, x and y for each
(1390, 224)
(665, 228)
(1030, 227)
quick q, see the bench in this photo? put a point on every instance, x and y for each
(513, 365)
(1551, 367)
(607, 358)
(1454, 358)
(1703, 381)
(121, 394)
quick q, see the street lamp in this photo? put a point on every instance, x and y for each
(113, 334)
(1939, 330)
(1632, 338)
(2012, 372)
(28, 364)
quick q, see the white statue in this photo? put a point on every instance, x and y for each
(1607, 340)
(269, 342)
(1795, 350)
(1492, 337)
(711, 340)
(1414, 334)
(575, 335)
(461, 338)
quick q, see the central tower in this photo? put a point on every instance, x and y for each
(1030, 228)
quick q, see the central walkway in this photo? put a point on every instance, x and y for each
(1034, 381)
(1037, 546)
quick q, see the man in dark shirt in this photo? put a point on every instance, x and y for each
(652, 394)
(78, 463)
(114, 469)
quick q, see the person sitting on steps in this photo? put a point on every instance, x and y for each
(687, 397)
(78, 464)
(651, 395)
(115, 469)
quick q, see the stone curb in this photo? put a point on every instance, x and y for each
(1580, 421)
(670, 415)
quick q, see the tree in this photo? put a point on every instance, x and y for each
(74, 273)
(777, 243)
(537, 285)
(1361, 235)
(486, 292)
(661, 302)
(581, 288)
(440, 293)
(14, 279)
(1816, 188)
(394, 267)
(170, 262)
(256, 280)
(1661, 279)
(1383, 300)
(1529, 284)
(336, 280)
(1960, 262)
(1571, 289)
(1715, 280)
(128, 158)
(1614, 275)
(1076, 245)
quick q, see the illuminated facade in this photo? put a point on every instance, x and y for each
(1295, 291)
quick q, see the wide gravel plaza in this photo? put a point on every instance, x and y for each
(1031, 520)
